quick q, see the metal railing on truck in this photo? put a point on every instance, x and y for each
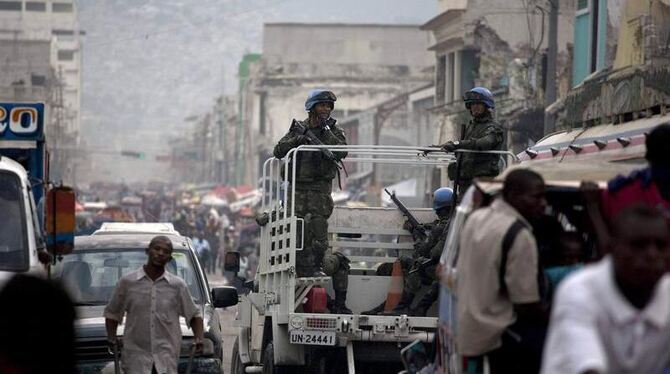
(281, 236)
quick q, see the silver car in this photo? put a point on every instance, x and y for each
(90, 274)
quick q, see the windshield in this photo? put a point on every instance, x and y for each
(13, 238)
(91, 276)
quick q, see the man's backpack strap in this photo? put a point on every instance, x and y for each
(507, 242)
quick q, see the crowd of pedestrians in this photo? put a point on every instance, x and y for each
(588, 295)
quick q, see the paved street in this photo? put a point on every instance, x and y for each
(227, 317)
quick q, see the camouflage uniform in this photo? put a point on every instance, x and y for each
(482, 134)
(313, 203)
(428, 250)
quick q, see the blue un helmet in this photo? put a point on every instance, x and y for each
(443, 198)
(319, 96)
(479, 95)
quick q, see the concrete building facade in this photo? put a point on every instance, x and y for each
(364, 65)
(502, 47)
(404, 120)
(53, 25)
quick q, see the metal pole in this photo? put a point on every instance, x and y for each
(550, 93)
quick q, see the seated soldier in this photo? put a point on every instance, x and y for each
(419, 269)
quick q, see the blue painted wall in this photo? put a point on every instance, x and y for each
(583, 41)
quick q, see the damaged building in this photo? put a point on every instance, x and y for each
(476, 46)
(364, 64)
(618, 101)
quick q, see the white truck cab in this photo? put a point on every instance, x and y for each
(20, 233)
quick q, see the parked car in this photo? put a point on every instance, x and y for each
(90, 274)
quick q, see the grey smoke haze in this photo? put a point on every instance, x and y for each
(148, 64)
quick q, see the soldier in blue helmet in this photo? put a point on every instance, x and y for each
(313, 185)
(419, 269)
(483, 133)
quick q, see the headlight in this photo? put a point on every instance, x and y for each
(297, 323)
(207, 347)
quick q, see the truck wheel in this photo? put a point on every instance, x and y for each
(236, 365)
(269, 366)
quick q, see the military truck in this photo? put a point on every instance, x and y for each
(277, 332)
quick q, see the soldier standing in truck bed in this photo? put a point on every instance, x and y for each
(313, 185)
(483, 133)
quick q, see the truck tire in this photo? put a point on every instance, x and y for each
(236, 365)
(269, 366)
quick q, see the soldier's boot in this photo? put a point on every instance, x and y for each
(404, 305)
(339, 305)
(319, 253)
(376, 310)
(427, 301)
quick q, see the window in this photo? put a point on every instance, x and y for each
(91, 275)
(451, 76)
(61, 7)
(13, 239)
(10, 5)
(440, 69)
(34, 6)
(38, 80)
(262, 127)
(65, 55)
(63, 34)
(590, 39)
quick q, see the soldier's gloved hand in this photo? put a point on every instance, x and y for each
(301, 139)
(427, 151)
(407, 226)
(450, 146)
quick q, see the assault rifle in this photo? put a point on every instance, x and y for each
(422, 265)
(415, 226)
(301, 129)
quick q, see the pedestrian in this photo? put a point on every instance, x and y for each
(483, 133)
(36, 327)
(228, 246)
(613, 316)
(501, 318)
(650, 186)
(152, 301)
(313, 186)
(212, 231)
(202, 248)
(569, 257)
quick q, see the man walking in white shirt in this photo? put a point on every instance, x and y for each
(614, 316)
(152, 300)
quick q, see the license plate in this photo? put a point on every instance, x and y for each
(313, 337)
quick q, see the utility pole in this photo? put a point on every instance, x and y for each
(550, 93)
(223, 175)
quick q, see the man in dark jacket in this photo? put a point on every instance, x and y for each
(483, 133)
(314, 178)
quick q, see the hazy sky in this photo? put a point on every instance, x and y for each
(148, 64)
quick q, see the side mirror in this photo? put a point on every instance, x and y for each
(60, 221)
(231, 262)
(224, 296)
